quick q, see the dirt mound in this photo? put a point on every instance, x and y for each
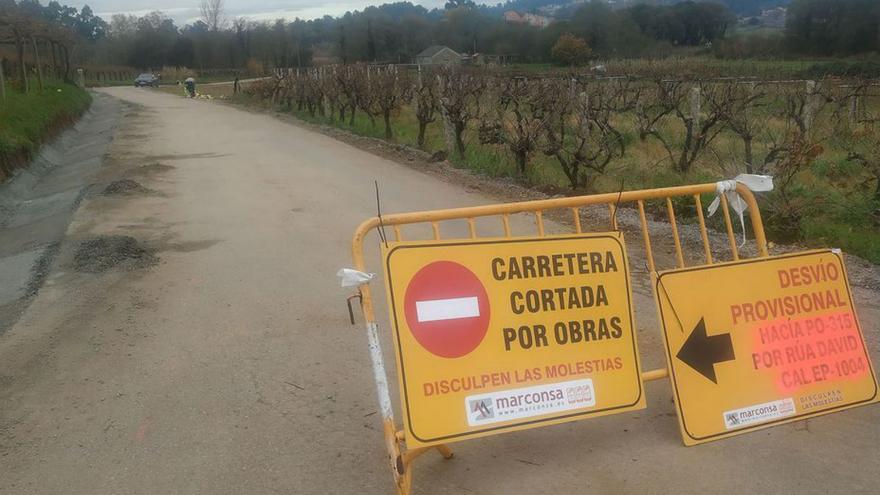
(125, 187)
(104, 253)
(437, 157)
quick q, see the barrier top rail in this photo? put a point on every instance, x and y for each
(613, 200)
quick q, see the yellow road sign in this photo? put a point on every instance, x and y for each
(758, 343)
(495, 335)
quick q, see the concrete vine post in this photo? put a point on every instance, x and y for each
(854, 109)
(2, 81)
(52, 51)
(749, 95)
(22, 66)
(585, 106)
(747, 135)
(812, 89)
(38, 63)
(448, 128)
(695, 103)
(49, 53)
(328, 104)
(426, 105)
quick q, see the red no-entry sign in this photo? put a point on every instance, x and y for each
(447, 309)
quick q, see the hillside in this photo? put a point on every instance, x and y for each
(562, 7)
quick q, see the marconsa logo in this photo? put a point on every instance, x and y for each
(760, 411)
(529, 399)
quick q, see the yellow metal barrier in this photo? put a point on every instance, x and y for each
(399, 457)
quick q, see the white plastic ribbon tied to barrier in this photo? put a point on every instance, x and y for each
(755, 183)
(353, 278)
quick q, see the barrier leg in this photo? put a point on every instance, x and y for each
(405, 486)
(445, 451)
(406, 463)
(402, 478)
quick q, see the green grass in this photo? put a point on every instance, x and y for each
(27, 119)
(861, 240)
(686, 64)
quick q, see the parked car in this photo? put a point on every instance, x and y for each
(146, 80)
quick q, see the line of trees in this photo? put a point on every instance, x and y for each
(833, 27)
(32, 47)
(390, 33)
(84, 23)
(397, 32)
(813, 28)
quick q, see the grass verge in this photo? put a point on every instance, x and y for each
(27, 120)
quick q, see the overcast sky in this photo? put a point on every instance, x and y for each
(187, 11)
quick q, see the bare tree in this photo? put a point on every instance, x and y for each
(872, 166)
(460, 96)
(790, 151)
(347, 82)
(653, 103)
(518, 118)
(242, 28)
(391, 89)
(23, 30)
(213, 13)
(365, 94)
(745, 119)
(580, 133)
(426, 104)
(701, 128)
(786, 205)
(867, 154)
(332, 93)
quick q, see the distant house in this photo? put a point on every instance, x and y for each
(438, 55)
(774, 18)
(769, 18)
(514, 17)
(539, 21)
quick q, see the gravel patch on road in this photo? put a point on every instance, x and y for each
(101, 254)
(125, 187)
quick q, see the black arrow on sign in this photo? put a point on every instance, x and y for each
(701, 352)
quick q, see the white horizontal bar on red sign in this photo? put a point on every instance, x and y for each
(448, 309)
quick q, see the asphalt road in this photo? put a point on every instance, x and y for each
(229, 366)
